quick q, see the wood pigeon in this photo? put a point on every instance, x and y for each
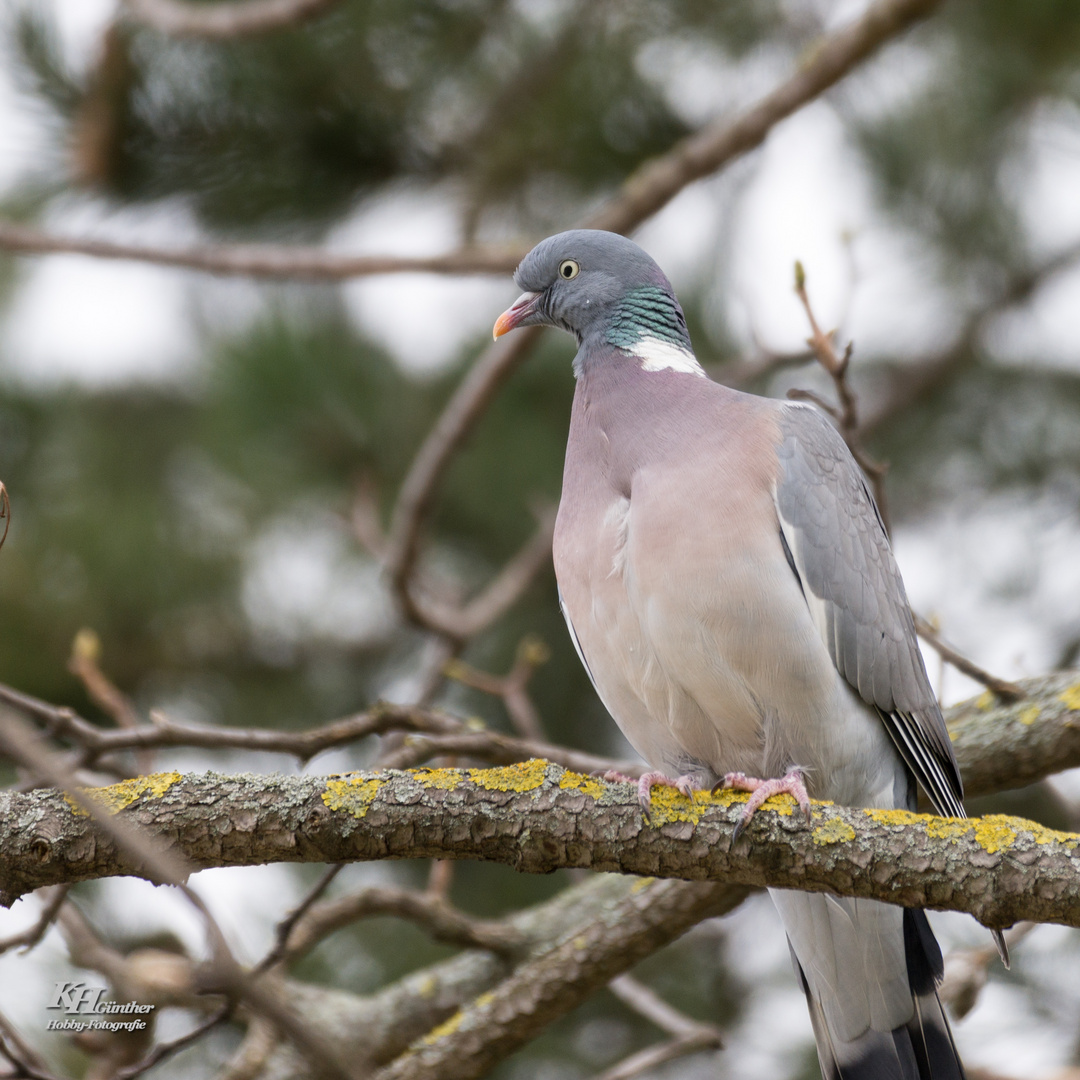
(730, 589)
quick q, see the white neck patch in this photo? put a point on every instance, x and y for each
(659, 355)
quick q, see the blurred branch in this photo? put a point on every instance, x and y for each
(441, 734)
(847, 415)
(222, 21)
(22, 1056)
(652, 1057)
(747, 372)
(657, 182)
(687, 1036)
(966, 971)
(85, 665)
(417, 494)
(1007, 691)
(432, 913)
(285, 927)
(93, 741)
(653, 185)
(51, 902)
(539, 817)
(499, 750)
(512, 687)
(161, 863)
(915, 382)
(616, 920)
(260, 260)
(583, 958)
(418, 601)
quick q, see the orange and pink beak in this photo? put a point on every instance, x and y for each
(516, 314)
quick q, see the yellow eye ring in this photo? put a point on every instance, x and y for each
(568, 269)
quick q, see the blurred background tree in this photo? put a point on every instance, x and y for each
(184, 458)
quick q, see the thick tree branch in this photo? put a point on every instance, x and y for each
(537, 817)
(1002, 745)
(600, 916)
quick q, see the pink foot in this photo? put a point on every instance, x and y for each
(791, 783)
(687, 784)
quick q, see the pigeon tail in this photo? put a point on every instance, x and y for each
(871, 1021)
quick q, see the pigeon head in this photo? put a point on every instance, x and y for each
(603, 289)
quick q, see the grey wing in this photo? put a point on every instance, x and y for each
(836, 543)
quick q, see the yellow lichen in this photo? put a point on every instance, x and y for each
(993, 832)
(641, 883)
(117, 797)
(985, 700)
(893, 817)
(527, 776)
(447, 1027)
(428, 985)
(1029, 715)
(832, 832)
(947, 828)
(580, 782)
(669, 805)
(484, 1000)
(1071, 698)
(353, 795)
(442, 779)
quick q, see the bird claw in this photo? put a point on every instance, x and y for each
(687, 784)
(791, 783)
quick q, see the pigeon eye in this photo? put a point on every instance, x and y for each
(568, 269)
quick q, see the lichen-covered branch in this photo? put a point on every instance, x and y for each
(432, 1012)
(538, 817)
(1001, 745)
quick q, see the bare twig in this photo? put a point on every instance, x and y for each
(646, 1002)
(1007, 691)
(915, 382)
(285, 927)
(52, 900)
(442, 735)
(434, 914)
(658, 181)
(652, 1057)
(847, 415)
(166, 1049)
(467, 404)
(273, 261)
(966, 971)
(5, 513)
(63, 723)
(421, 600)
(25, 1059)
(440, 878)
(512, 688)
(222, 21)
(85, 664)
